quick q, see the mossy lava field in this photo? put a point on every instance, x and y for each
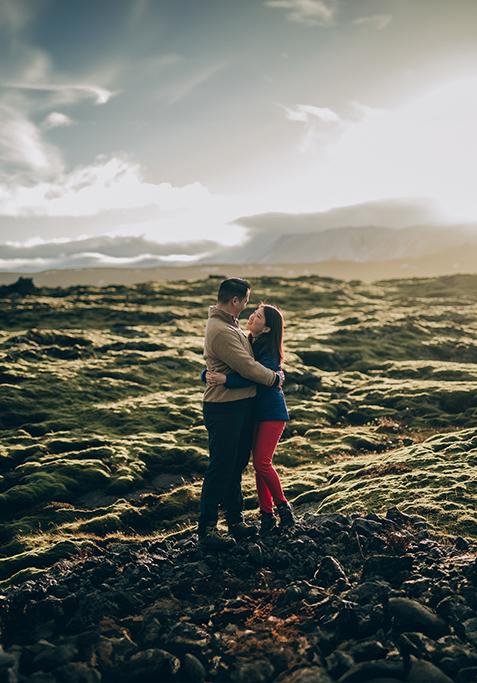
(102, 440)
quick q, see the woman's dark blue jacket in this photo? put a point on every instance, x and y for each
(269, 403)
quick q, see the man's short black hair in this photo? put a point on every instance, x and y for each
(233, 286)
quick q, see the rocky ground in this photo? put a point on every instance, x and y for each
(341, 598)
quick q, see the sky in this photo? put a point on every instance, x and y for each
(137, 128)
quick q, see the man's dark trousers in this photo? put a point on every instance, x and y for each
(230, 428)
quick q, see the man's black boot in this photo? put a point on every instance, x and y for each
(240, 530)
(211, 539)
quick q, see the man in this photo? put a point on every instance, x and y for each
(228, 416)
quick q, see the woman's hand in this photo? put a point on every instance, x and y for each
(215, 378)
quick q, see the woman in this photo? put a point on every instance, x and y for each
(270, 414)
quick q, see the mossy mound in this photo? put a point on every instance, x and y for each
(435, 479)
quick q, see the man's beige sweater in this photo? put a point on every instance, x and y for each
(227, 349)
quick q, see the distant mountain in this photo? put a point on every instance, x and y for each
(451, 261)
(360, 244)
(370, 241)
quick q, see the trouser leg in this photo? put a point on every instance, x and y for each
(233, 496)
(230, 436)
(269, 488)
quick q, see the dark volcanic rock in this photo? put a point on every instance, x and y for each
(388, 567)
(329, 572)
(278, 610)
(410, 615)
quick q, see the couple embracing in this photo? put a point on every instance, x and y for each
(244, 412)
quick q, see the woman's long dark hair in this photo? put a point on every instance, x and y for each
(271, 341)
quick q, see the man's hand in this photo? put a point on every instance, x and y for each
(282, 377)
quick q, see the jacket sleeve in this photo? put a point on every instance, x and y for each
(236, 381)
(233, 381)
(228, 347)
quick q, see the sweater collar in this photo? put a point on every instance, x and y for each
(215, 312)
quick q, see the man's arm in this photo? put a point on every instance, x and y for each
(233, 380)
(228, 347)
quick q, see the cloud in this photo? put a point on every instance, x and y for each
(56, 120)
(428, 148)
(23, 151)
(16, 14)
(137, 12)
(102, 251)
(376, 21)
(321, 125)
(305, 112)
(116, 187)
(389, 213)
(115, 247)
(30, 69)
(309, 12)
(26, 156)
(70, 92)
(355, 232)
(31, 89)
(107, 185)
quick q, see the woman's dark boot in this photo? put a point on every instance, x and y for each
(268, 522)
(287, 520)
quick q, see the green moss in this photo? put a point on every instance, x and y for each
(176, 505)
(104, 395)
(39, 559)
(178, 459)
(40, 482)
(434, 478)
